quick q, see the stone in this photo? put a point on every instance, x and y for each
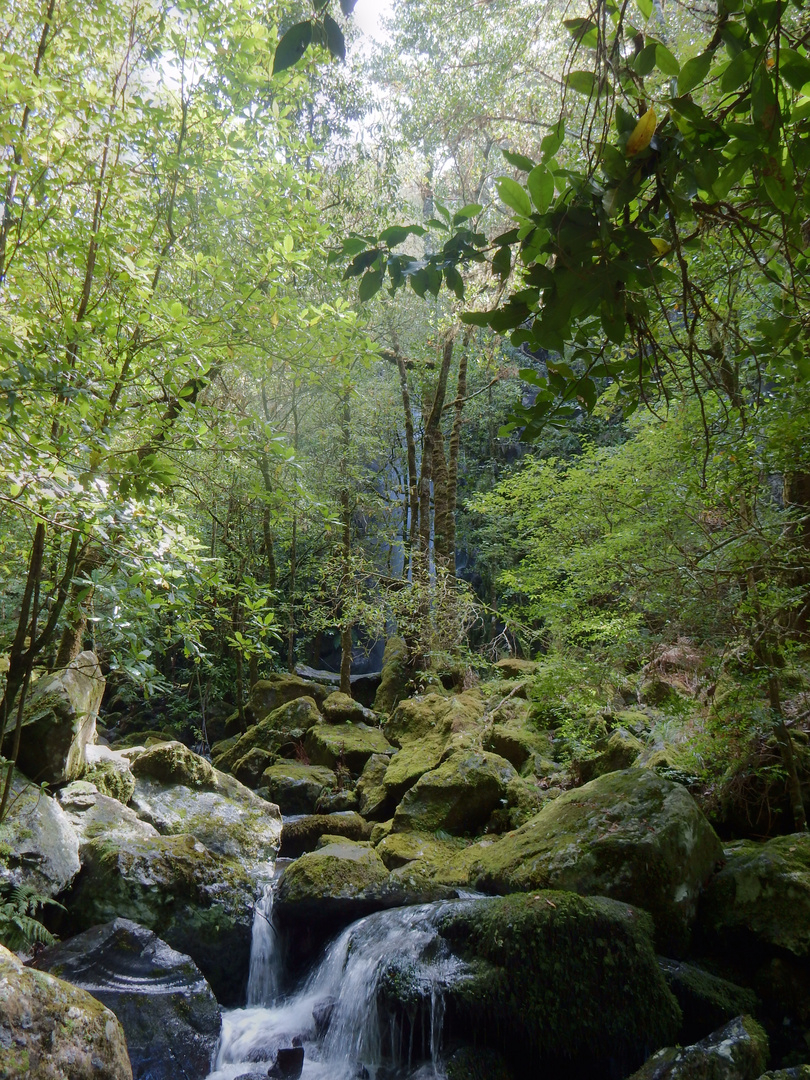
(458, 797)
(707, 1001)
(38, 846)
(289, 1063)
(296, 787)
(739, 1051)
(350, 745)
(512, 667)
(268, 694)
(279, 733)
(762, 895)
(168, 1011)
(248, 770)
(400, 849)
(335, 802)
(477, 1063)
(341, 709)
(561, 985)
(395, 676)
(59, 721)
(198, 901)
(630, 835)
(111, 779)
(798, 1072)
(50, 1030)
(520, 745)
(336, 882)
(621, 752)
(302, 835)
(375, 802)
(93, 815)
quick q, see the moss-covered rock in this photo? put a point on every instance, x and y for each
(375, 802)
(511, 667)
(798, 1072)
(268, 694)
(339, 708)
(630, 835)
(59, 721)
(621, 752)
(563, 985)
(93, 814)
(280, 732)
(395, 676)
(707, 1001)
(350, 745)
(762, 895)
(457, 797)
(222, 747)
(399, 849)
(522, 801)
(339, 881)
(296, 787)
(174, 763)
(380, 830)
(248, 769)
(50, 1030)
(111, 779)
(38, 846)
(477, 1063)
(334, 802)
(302, 835)
(738, 1051)
(520, 745)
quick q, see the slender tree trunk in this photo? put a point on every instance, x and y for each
(291, 612)
(346, 522)
(441, 503)
(797, 498)
(410, 447)
(453, 456)
(432, 433)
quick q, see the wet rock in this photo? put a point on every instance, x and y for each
(289, 1063)
(739, 1051)
(38, 846)
(761, 896)
(707, 1001)
(350, 745)
(561, 985)
(167, 1010)
(302, 835)
(50, 1030)
(458, 797)
(322, 1015)
(395, 676)
(59, 721)
(296, 787)
(630, 835)
(341, 709)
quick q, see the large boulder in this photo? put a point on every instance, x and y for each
(179, 792)
(198, 901)
(304, 833)
(630, 835)
(279, 733)
(50, 1030)
(339, 708)
(739, 1051)
(38, 846)
(375, 802)
(706, 1000)
(458, 797)
(338, 880)
(349, 745)
(168, 1012)
(59, 721)
(93, 814)
(395, 676)
(267, 695)
(562, 985)
(620, 752)
(512, 667)
(296, 787)
(761, 896)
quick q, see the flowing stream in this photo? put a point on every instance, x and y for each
(338, 1012)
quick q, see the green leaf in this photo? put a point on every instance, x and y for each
(292, 46)
(665, 61)
(540, 183)
(398, 234)
(334, 38)
(476, 318)
(502, 263)
(370, 284)
(520, 161)
(584, 31)
(454, 281)
(553, 141)
(581, 81)
(693, 72)
(645, 61)
(645, 7)
(360, 263)
(514, 196)
(794, 68)
(466, 212)
(737, 71)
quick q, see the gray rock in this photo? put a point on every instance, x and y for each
(739, 1051)
(296, 787)
(38, 846)
(168, 1012)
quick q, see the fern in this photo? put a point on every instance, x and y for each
(20, 929)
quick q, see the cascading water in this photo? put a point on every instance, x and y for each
(264, 978)
(339, 1013)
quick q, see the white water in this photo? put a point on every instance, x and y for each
(264, 978)
(349, 975)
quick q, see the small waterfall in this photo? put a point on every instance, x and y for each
(376, 997)
(264, 978)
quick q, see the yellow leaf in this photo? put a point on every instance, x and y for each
(661, 246)
(642, 133)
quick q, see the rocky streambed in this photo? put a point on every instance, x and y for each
(445, 903)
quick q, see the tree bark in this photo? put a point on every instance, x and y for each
(453, 454)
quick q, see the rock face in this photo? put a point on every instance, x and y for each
(168, 1012)
(762, 895)
(92, 814)
(60, 721)
(394, 683)
(562, 985)
(296, 787)
(458, 797)
(50, 1030)
(739, 1051)
(630, 835)
(38, 847)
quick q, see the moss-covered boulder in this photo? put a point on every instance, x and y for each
(198, 901)
(621, 751)
(334, 802)
(59, 721)
(707, 1001)
(338, 879)
(477, 1063)
(92, 814)
(179, 792)
(248, 770)
(512, 667)
(339, 708)
(395, 676)
(399, 849)
(526, 749)
(350, 745)
(279, 733)
(761, 896)
(738, 1051)
(458, 797)
(302, 835)
(630, 835)
(798, 1072)
(38, 846)
(562, 985)
(375, 801)
(269, 694)
(111, 778)
(296, 787)
(50, 1030)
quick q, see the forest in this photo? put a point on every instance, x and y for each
(405, 499)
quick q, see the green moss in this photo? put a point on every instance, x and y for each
(348, 744)
(337, 872)
(173, 763)
(118, 783)
(395, 675)
(477, 1063)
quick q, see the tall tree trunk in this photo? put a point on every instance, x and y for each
(796, 494)
(410, 448)
(453, 455)
(441, 503)
(432, 432)
(346, 523)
